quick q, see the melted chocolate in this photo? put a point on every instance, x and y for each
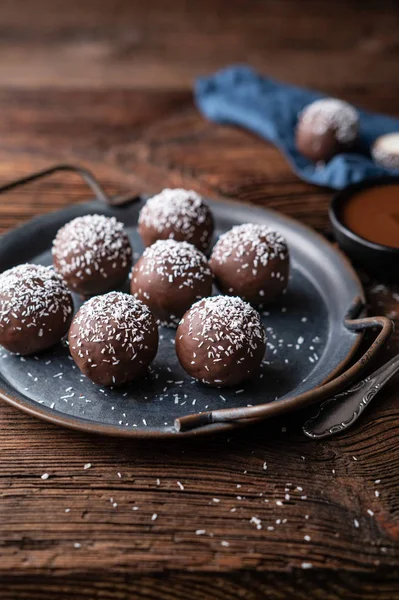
(373, 214)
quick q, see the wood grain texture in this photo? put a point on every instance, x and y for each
(108, 85)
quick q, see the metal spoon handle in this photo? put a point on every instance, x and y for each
(340, 412)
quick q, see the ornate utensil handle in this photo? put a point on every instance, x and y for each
(340, 412)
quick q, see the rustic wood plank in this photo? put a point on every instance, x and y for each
(164, 44)
(246, 584)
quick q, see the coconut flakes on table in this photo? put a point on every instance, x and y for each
(257, 522)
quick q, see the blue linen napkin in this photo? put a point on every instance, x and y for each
(238, 95)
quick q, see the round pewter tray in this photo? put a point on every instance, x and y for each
(308, 342)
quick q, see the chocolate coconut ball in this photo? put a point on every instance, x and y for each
(93, 254)
(35, 309)
(385, 151)
(113, 338)
(221, 341)
(178, 214)
(251, 261)
(325, 128)
(169, 277)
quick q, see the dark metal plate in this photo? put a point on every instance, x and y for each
(308, 343)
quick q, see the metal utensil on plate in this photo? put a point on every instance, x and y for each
(337, 414)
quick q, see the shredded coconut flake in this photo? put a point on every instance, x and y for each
(180, 210)
(89, 244)
(385, 150)
(257, 522)
(172, 260)
(331, 113)
(113, 317)
(32, 293)
(227, 319)
(257, 242)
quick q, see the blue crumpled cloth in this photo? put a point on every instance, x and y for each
(238, 95)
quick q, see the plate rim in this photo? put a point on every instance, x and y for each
(78, 424)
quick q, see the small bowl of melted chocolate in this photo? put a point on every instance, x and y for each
(365, 221)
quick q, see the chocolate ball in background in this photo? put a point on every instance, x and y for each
(113, 338)
(35, 309)
(93, 254)
(385, 151)
(178, 214)
(169, 277)
(325, 128)
(251, 261)
(221, 341)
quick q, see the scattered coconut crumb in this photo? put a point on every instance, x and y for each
(257, 522)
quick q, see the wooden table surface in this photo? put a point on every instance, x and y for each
(108, 85)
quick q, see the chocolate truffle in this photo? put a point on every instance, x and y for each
(169, 277)
(221, 341)
(35, 308)
(325, 128)
(179, 214)
(385, 151)
(113, 338)
(93, 254)
(251, 261)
